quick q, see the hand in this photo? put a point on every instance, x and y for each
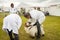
(27, 24)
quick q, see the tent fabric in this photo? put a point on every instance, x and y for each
(35, 3)
(55, 11)
(21, 0)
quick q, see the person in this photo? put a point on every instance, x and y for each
(12, 23)
(13, 10)
(38, 18)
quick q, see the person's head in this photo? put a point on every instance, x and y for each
(35, 8)
(38, 8)
(27, 15)
(12, 5)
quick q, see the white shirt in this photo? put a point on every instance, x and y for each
(13, 11)
(37, 15)
(12, 22)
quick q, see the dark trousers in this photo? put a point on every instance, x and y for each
(16, 37)
(38, 29)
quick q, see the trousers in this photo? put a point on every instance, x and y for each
(38, 29)
(13, 36)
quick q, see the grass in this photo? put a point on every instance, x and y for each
(51, 27)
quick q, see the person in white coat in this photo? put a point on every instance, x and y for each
(12, 23)
(38, 18)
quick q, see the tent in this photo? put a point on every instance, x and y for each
(47, 5)
(21, 0)
(54, 10)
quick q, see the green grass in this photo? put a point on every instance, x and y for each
(51, 27)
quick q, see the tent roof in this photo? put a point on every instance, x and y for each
(43, 4)
(32, 3)
(21, 0)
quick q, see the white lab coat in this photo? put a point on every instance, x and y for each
(37, 15)
(12, 22)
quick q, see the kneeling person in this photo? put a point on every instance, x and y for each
(38, 18)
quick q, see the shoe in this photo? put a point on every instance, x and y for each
(43, 35)
(32, 37)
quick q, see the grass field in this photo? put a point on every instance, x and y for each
(51, 27)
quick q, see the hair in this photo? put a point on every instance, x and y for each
(38, 8)
(12, 4)
(26, 14)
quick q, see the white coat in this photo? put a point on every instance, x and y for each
(37, 15)
(12, 22)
